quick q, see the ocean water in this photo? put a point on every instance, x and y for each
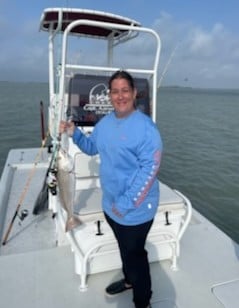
(200, 131)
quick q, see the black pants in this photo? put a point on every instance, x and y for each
(131, 241)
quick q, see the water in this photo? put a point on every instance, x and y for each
(20, 116)
(200, 129)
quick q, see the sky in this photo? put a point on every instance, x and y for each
(200, 38)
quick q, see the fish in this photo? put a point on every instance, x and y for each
(66, 182)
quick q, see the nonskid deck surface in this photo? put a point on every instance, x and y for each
(25, 183)
(36, 273)
(46, 278)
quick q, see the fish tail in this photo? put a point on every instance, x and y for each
(72, 222)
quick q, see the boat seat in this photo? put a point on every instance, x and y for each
(100, 253)
(86, 171)
(88, 99)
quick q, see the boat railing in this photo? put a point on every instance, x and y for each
(188, 216)
(93, 68)
(100, 253)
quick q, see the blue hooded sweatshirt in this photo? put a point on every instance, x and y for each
(130, 151)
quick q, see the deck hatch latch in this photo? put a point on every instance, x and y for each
(167, 223)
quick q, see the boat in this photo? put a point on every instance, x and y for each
(55, 256)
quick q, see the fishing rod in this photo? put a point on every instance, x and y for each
(50, 180)
(23, 194)
(167, 65)
(24, 213)
(50, 183)
(42, 121)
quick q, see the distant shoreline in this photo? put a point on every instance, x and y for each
(161, 87)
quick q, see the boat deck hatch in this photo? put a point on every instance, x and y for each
(226, 292)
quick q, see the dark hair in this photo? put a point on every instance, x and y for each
(124, 75)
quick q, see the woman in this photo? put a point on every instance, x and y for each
(130, 148)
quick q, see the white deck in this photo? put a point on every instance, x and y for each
(36, 273)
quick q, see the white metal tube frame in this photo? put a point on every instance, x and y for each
(110, 26)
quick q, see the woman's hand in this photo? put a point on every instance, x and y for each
(67, 127)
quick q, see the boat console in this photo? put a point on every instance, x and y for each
(79, 91)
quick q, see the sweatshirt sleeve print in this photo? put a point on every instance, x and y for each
(87, 144)
(149, 156)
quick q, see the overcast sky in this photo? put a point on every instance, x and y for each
(205, 34)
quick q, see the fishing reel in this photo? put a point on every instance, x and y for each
(23, 214)
(52, 181)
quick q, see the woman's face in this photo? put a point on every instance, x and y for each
(122, 97)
